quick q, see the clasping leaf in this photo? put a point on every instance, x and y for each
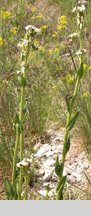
(72, 121)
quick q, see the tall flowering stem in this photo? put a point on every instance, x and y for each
(24, 58)
(25, 46)
(71, 117)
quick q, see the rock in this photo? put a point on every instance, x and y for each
(40, 173)
(51, 133)
(43, 149)
(65, 171)
(48, 174)
(75, 174)
(71, 179)
(57, 148)
(46, 156)
(49, 162)
(46, 184)
(42, 192)
(79, 170)
(37, 146)
(69, 171)
(49, 153)
(57, 140)
(57, 151)
(86, 165)
(79, 178)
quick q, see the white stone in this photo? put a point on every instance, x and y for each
(49, 162)
(49, 153)
(48, 174)
(42, 151)
(42, 192)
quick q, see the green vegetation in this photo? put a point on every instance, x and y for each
(40, 76)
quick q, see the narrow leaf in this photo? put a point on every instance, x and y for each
(67, 146)
(58, 167)
(23, 81)
(72, 121)
(80, 71)
(61, 183)
(8, 188)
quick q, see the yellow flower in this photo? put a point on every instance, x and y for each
(68, 78)
(42, 49)
(54, 87)
(56, 50)
(54, 35)
(84, 67)
(44, 28)
(36, 17)
(63, 17)
(63, 46)
(13, 30)
(33, 9)
(50, 52)
(63, 20)
(6, 14)
(61, 27)
(85, 94)
(2, 41)
(89, 68)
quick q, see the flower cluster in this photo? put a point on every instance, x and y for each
(43, 28)
(54, 51)
(85, 94)
(89, 68)
(81, 52)
(13, 30)
(63, 23)
(6, 14)
(32, 30)
(68, 78)
(24, 163)
(73, 36)
(2, 41)
(54, 35)
(80, 10)
(33, 9)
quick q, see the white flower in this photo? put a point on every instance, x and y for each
(30, 27)
(29, 160)
(23, 44)
(74, 35)
(82, 8)
(79, 9)
(82, 2)
(22, 70)
(24, 163)
(18, 72)
(74, 10)
(19, 45)
(80, 52)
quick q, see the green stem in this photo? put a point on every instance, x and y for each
(26, 182)
(22, 100)
(60, 192)
(21, 137)
(15, 154)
